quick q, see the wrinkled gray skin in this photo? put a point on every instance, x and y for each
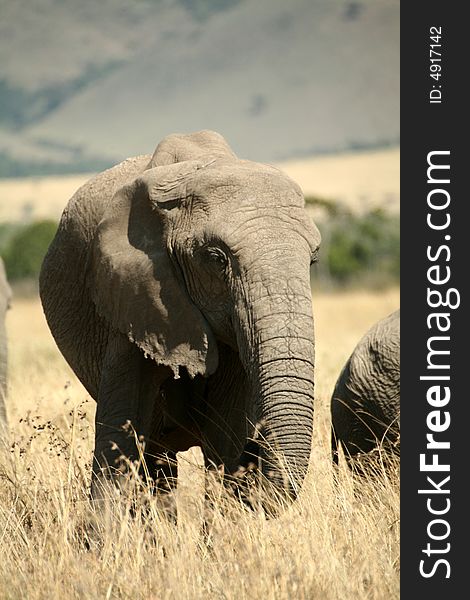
(178, 289)
(365, 407)
(5, 296)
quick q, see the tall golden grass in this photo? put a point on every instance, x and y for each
(340, 540)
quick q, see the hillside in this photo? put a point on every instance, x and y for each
(85, 84)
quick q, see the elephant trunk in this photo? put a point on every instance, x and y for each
(280, 362)
(285, 407)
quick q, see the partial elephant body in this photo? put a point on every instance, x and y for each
(5, 297)
(365, 407)
(176, 288)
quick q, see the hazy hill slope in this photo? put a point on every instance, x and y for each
(278, 79)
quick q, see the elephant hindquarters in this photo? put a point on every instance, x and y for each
(362, 422)
(352, 426)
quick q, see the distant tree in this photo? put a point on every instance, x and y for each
(364, 245)
(331, 208)
(7, 231)
(26, 248)
(356, 249)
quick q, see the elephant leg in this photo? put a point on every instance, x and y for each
(117, 410)
(177, 430)
(228, 424)
(130, 412)
(158, 467)
(225, 433)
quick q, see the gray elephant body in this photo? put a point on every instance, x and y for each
(365, 406)
(5, 296)
(177, 287)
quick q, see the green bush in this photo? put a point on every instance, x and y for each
(25, 249)
(357, 249)
(7, 231)
(364, 244)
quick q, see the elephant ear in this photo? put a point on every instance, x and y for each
(134, 283)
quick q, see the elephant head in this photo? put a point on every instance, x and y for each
(201, 251)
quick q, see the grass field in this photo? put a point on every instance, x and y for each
(336, 542)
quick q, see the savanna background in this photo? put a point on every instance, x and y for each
(311, 86)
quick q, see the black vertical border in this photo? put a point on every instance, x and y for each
(427, 127)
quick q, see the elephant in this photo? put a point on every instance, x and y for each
(178, 289)
(365, 406)
(5, 298)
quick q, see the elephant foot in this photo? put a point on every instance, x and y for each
(128, 497)
(153, 475)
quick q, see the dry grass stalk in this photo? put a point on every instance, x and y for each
(340, 540)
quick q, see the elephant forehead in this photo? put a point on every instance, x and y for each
(248, 183)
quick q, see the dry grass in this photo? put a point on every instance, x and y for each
(37, 197)
(360, 180)
(337, 541)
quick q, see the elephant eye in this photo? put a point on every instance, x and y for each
(216, 256)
